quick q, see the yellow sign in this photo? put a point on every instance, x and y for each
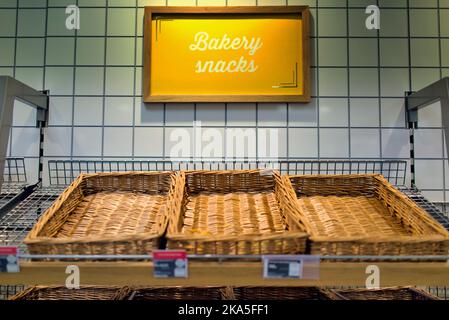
(227, 56)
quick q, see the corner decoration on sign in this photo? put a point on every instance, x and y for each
(226, 54)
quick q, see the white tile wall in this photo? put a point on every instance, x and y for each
(358, 84)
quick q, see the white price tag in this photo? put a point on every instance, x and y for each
(282, 266)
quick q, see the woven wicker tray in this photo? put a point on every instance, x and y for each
(83, 293)
(393, 293)
(364, 215)
(283, 293)
(234, 212)
(106, 213)
(180, 293)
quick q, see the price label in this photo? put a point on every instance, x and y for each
(170, 264)
(278, 266)
(9, 260)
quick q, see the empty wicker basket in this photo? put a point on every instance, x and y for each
(393, 293)
(364, 215)
(283, 293)
(180, 293)
(106, 213)
(83, 293)
(234, 212)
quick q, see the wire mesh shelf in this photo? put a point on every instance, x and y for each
(7, 291)
(16, 224)
(431, 208)
(63, 172)
(14, 179)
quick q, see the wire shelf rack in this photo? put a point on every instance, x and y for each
(14, 179)
(63, 172)
(7, 291)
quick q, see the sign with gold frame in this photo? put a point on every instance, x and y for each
(226, 54)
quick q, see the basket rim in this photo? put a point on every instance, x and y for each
(33, 238)
(440, 236)
(287, 234)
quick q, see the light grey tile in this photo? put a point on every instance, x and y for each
(365, 143)
(178, 142)
(211, 114)
(8, 4)
(149, 114)
(333, 82)
(241, 114)
(59, 80)
(90, 51)
(58, 141)
(394, 82)
(425, 52)
(359, 3)
(332, 3)
(121, 22)
(393, 113)
(31, 23)
(121, 3)
(92, 3)
(60, 51)
(393, 23)
(31, 76)
(59, 3)
(7, 52)
(7, 22)
(363, 52)
(428, 143)
(211, 145)
(272, 114)
(444, 22)
(56, 22)
(120, 51)
(179, 114)
(31, 167)
(138, 79)
(421, 78)
(445, 52)
(364, 112)
(429, 174)
(30, 52)
(148, 142)
(118, 142)
(395, 143)
(118, 111)
(88, 111)
(119, 81)
(334, 143)
(272, 143)
(357, 24)
(25, 142)
(423, 3)
(303, 115)
(60, 111)
(92, 22)
(303, 142)
(333, 112)
(140, 16)
(430, 116)
(332, 52)
(423, 23)
(87, 141)
(330, 22)
(394, 52)
(24, 114)
(89, 81)
(32, 3)
(364, 82)
(241, 142)
(7, 71)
